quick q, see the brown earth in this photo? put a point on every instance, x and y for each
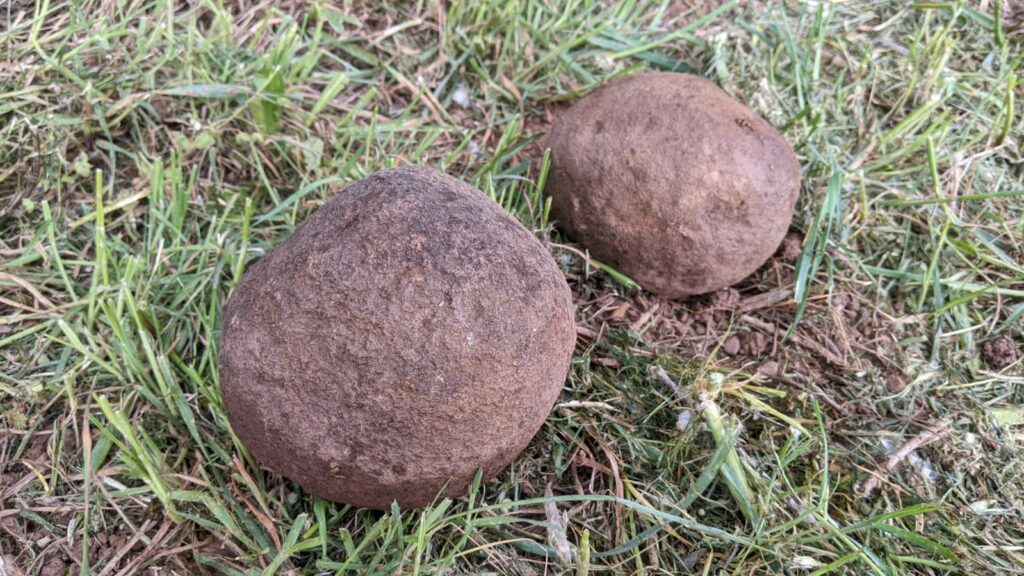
(999, 352)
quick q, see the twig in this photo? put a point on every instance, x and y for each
(817, 390)
(40, 299)
(645, 317)
(798, 339)
(613, 463)
(923, 439)
(661, 374)
(557, 522)
(766, 300)
(574, 404)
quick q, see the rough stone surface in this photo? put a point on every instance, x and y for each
(407, 334)
(668, 179)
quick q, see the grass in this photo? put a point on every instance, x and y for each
(152, 149)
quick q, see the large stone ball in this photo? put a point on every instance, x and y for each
(408, 334)
(668, 179)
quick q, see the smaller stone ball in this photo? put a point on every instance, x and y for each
(665, 177)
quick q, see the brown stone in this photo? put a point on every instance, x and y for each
(668, 179)
(409, 333)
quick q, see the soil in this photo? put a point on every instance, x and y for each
(54, 567)
(1013, 17)
(9, 565)
(839, 334)
(999, 352)
(668, 179)
(409, 332)
(791, 248)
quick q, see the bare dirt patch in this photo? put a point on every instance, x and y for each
(999, 352)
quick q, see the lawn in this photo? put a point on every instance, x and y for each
(854, 407)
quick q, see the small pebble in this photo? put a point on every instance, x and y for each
(731, 346)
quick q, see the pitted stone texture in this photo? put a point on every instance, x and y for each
(409, 332)
(668, 179)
